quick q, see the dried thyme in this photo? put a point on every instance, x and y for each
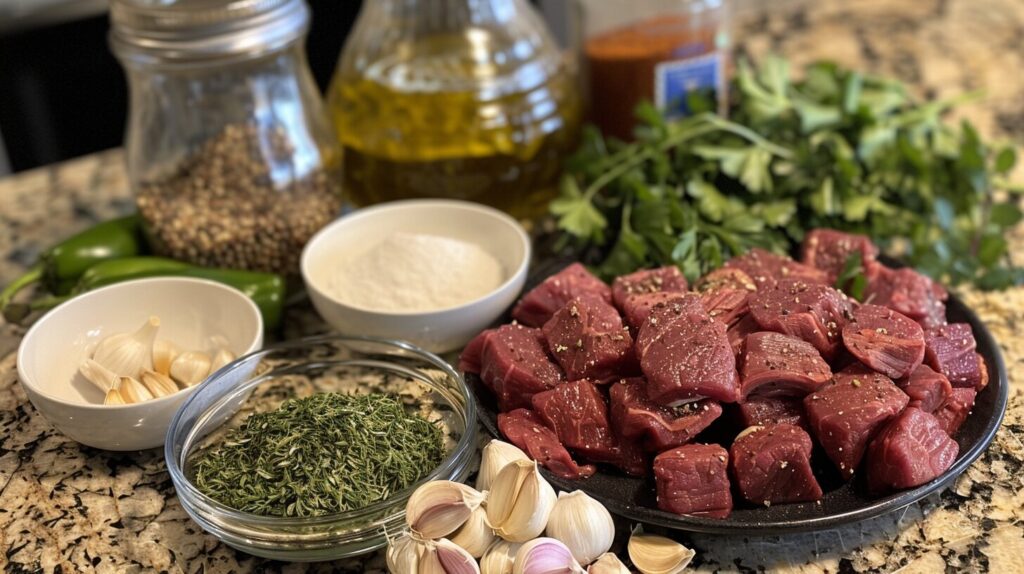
(319, 455)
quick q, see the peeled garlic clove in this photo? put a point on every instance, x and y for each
(499, 558)
(608, 563)
(128, 354)
(403, 555)
(658, 555)
(159, 385)
(454, 559)
(97, 374)
(583, 524)
(113, 398)
(221, 358)
(133, 391)
(440, 507)
(495, 456)
(475, 536)
(543, 556)
(164, 353)
(520, 502)
(190, 368)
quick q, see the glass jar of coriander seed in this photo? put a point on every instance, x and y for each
(230, 155)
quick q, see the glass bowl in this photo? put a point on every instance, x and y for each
(263, 380)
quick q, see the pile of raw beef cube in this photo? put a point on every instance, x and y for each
(630, 375)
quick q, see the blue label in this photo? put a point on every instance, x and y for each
(674, 79)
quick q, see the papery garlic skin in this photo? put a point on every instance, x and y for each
(113, 397)
(608, 563)
(475, 536)
(97, 374)
(494, 457)
(133, 391)
(520, 502)
(440, 507)
(658, 555)
(164, 353)
(128, 354)
(221, 358)
(454, 559)
(403, 555)
(159, 385)
(583, 524)
(500, 557)
(191, 368)
(545, 556)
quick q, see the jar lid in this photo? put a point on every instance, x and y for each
(204, 29)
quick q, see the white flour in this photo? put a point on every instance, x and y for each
(413, 272)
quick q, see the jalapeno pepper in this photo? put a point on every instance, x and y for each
(65, 262)
(265, 289)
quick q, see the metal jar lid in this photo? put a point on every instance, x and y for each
(189, 30)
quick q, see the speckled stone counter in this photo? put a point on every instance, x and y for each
(66, 508)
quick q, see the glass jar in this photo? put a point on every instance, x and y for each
(656, 51)
(461, 99)
(230, 155)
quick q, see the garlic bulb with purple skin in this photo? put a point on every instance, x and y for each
(440, 507)
(445, 557)
(545, 556)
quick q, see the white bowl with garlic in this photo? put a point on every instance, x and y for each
(110, 368)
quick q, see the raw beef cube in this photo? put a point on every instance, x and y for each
(588, 340)
(685, 354)
(694, 479)
(513, 364)
(469, 359)
(578, 414)
(523, 428)
(911, 450)
(927, 389)
(636, 418)
(908, 292)
(950, 350)
(772, 464)
(536, 307)
(660, 280)
(846, 413)
(955, 409)
(761, 411)
(638, 307)
(726, 294)
(813, 312)
(828, 250)
(885, 340)
(765, 268)
(777, 365)
(738, 333)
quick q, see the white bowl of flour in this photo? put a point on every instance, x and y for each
(431, 272)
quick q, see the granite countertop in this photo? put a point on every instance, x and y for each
(67, 508)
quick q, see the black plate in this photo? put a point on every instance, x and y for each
(843, 503)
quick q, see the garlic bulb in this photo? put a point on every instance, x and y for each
(475, 536)
(158, 384)
(221, 358)
(545, 556)
(164, 353)
(520, 502)
(97, 374)
(128, 354)
(445, 557)
(608, 563)
(494, 457)
(499, 558)
(583, 524)
(658, 555)
(190, 368)
(403, 555)
(133, 391)
(440, 507)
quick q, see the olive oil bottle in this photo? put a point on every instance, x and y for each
(461, 99)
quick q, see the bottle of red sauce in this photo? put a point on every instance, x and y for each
(653, 50)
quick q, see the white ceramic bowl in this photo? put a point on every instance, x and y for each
(190, 311)
(436, 331)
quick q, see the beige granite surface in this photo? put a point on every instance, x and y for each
(67, 508)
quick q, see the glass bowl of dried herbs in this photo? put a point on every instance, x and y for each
(309, 450)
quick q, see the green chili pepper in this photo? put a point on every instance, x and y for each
(265, 289)
(65, 262)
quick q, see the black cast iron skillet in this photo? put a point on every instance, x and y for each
(844, 502)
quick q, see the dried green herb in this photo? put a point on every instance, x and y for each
(320, 455)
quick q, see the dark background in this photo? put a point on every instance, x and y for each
(63, 94)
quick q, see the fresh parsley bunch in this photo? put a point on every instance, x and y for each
(836, 149)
